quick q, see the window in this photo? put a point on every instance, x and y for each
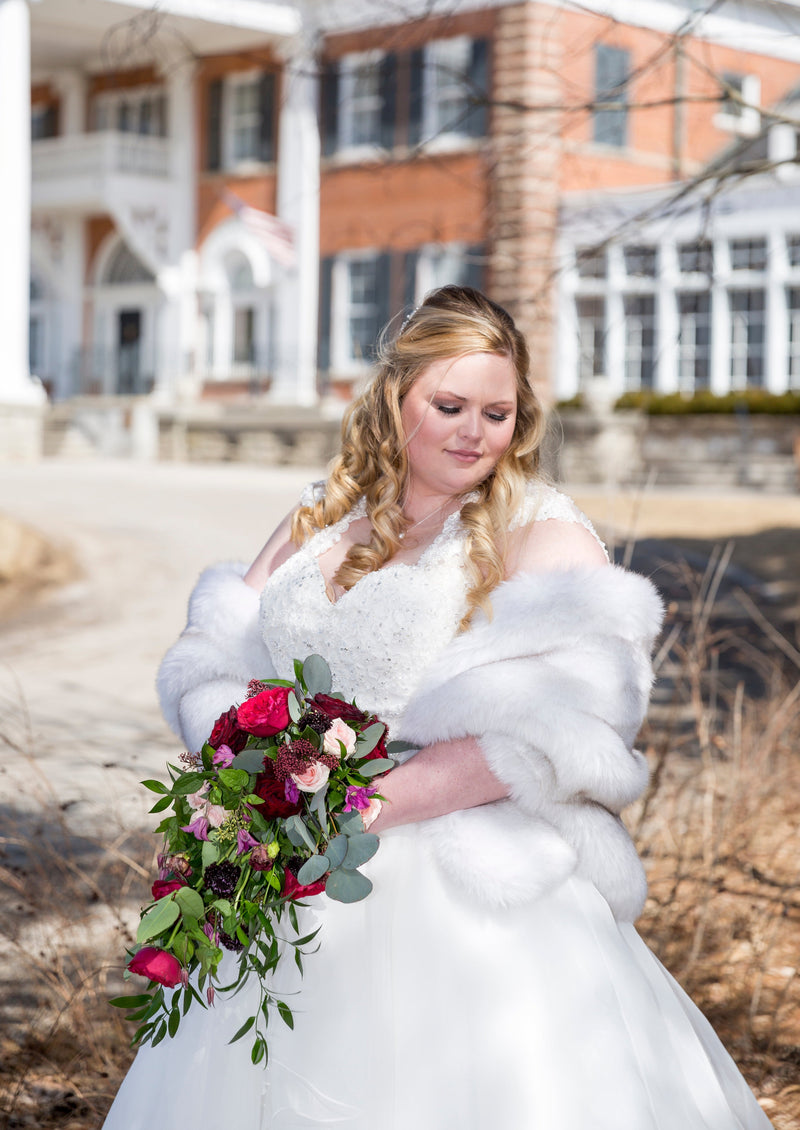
(244, 335)
(449, 89)
(640, 340)
(793, 250)
(364, 318)
(591, 263)
(793, 311)
(612, 68)
(44, 121)
(748, 254)
(362, 99)
(738, 103)
(240, 120)
(641, 262)
(141, 110)
(439, 264)
(748, 323)
(591, 314)
(696, 258)
(694, 340)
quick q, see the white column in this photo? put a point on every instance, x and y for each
(71, 86)
(776, 344)
(297, 290)
(16, 386)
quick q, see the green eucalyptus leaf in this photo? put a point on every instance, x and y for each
(350, 823)
(347, 886)
(313, 869)
(336, 851)
(376, 766)
(157, 919)
(298, 833)
(397, 745)
(190, 902)
(295, 710)
(250, 760)
(369, 738)
(360, 849)
(317, 675)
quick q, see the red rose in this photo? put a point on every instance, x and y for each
(336, 708)
(163, 887)
(265, 714)
(156, 965)
(226, 732)
(294, 890)
(273, 795)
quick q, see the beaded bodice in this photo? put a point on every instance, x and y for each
(381, 635)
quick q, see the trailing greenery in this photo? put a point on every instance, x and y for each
(754, 401)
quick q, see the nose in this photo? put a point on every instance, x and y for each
(469, 425)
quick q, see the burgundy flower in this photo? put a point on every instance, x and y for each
(265, 714)
(163, 887)
(260, 859)
(226, 732)
(294, 890)
(156, 965)
(271, 790)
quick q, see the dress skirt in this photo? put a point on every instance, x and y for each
(425, 1010)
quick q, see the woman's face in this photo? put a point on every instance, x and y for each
(459, 418)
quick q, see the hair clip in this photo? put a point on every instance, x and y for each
(407, 319)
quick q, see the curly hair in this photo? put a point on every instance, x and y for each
(373, 463)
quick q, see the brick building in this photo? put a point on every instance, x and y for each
(234, 195)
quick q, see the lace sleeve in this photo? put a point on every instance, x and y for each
(312, 492)
(543, 503)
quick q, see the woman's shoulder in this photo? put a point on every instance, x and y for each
(313, 492)
(551, 528)
(543, 503)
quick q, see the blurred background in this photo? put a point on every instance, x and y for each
(209, 210)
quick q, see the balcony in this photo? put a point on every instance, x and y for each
(94, 170)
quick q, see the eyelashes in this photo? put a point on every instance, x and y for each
(454, 409)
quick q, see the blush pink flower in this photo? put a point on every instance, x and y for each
(223, 757)
(337, 735)
(313, 778)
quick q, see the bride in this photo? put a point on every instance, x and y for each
(494, 977)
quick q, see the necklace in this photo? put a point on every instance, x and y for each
(438, 510)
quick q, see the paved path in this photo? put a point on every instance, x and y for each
(82, 663)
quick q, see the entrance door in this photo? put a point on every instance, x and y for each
(129, 360)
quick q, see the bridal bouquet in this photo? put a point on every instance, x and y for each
(268, 812)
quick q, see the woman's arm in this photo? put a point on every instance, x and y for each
(278, 549)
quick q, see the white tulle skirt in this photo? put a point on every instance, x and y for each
(425, 1011)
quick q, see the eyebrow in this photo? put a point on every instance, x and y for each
(463, 399)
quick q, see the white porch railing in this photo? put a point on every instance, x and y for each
(92, 154)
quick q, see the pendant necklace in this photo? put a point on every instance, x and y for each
(438, 510)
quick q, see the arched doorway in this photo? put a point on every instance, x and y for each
(122, 357)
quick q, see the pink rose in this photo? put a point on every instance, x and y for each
(338, 732)
(156, 965)
(265, 714)
(312, 778)
(215, 814)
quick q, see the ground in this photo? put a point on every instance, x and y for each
(112, 553)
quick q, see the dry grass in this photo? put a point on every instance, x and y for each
(718, 828)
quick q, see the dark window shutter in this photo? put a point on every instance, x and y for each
(325, 300)
(329, 108)
(417, 66)
(388, 87)
(383, 282)
(266, 111)
(214, 125)
(476, 121)
(410, 260)
(51, 121)
(475, 258)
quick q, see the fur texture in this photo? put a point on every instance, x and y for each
(555, 686)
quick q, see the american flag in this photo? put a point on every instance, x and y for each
(277, 237)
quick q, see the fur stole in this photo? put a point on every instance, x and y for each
(554, 686)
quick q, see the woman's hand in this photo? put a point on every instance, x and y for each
(441, 778)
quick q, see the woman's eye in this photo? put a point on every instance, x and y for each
(497, 417)
(449, 409)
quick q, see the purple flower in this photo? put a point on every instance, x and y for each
(357, 797)
(198, 828)
(244, 841)
(223, 757)
(291, 791)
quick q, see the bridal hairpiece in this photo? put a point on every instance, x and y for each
(407, 319)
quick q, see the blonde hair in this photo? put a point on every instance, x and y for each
(373, 463)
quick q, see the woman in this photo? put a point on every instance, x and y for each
(493, 978)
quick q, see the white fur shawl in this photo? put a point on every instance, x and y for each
(554, 686)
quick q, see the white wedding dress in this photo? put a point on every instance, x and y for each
(423, 1010)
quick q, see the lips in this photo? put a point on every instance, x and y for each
(465, 456)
